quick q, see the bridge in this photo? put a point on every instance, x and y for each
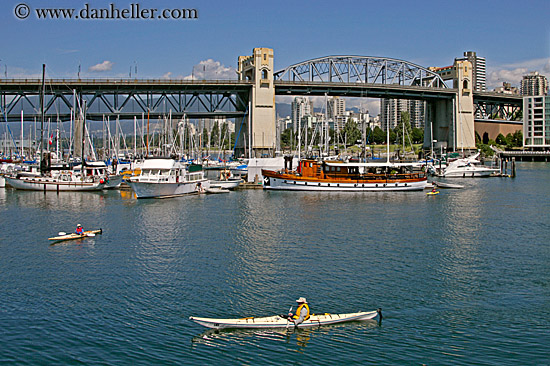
(251, 99)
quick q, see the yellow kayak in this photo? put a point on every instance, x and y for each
(432, 193)
(73, 236)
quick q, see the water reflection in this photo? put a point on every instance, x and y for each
(66, 201)
(296, 339)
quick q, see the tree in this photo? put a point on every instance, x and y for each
(286, 136)
(501, 140)
(378, 135)
(404, 120)
(215, 134)
(351, 132)
(417, 135)
(225, 136)
(204, 137)
(517, 139)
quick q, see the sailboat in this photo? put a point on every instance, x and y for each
(53, 178)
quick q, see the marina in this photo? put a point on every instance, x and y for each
(446, 272)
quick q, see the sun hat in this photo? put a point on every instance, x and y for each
(78, 225)
(302, 299)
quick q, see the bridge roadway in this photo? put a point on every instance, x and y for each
(129, 98)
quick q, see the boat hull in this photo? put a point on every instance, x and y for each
(275, 181)
(167, 189)
(280, 322)
(470, 173)
(226, 184)
(48, 184)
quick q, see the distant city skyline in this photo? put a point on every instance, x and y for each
(513, 37)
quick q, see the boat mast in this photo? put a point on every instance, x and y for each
(42, 91)
(388, 141)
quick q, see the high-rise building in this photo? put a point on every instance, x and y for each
(479, 70)
(301, 107)
(336, 107)
(536, 122)
(534, 84)
(390, 112)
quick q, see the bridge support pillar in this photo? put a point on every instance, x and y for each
(257, 136)
(451, 122)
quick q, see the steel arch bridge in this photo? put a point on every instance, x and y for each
(361, 69)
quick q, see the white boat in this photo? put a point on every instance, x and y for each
(278, 321)
(164, 177)
(468, 168)
(226, 180)
(100, 169)
(60, 182)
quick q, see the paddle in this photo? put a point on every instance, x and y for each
(61, 233)
(288, 317)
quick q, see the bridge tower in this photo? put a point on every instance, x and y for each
(451, 122)
(257, 135)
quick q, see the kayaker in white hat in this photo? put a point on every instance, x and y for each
(79, 230)
(302, 312)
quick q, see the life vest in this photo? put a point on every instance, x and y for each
(80, 231)
(299, 310)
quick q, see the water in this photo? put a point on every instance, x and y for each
(462, 277)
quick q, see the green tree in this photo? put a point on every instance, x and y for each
(225, 137)
(399, 129)
(351, 132)
(204, 137)
(501, 140)
(215, 134)
(417, 136)
(378, 135)
(286, 137)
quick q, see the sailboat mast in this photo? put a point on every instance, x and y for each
(42, 91)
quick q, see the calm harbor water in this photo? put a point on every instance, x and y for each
(462, 277)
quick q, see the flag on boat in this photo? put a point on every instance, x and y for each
(50, 141)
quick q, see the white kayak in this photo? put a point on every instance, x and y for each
(278, 321)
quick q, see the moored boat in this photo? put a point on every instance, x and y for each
(468, 168)
(314, 175)
(59, 182)
(165, 177)
(278, 321)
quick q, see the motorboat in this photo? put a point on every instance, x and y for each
(315, 175)
(166, 177)
(469, 167)
(226, 180)
(100, 169)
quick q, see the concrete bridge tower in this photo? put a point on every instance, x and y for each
(451, 122)
(257, 135)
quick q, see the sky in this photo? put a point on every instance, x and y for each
(513, 36)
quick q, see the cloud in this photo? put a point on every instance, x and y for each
(104, 66)
(513, 73)
(167, 75)
(211, 70)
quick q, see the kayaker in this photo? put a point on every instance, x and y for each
(79, 230)
(302, 312)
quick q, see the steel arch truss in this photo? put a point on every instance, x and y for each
(508, 112)
(192, 100)
(361, 69)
